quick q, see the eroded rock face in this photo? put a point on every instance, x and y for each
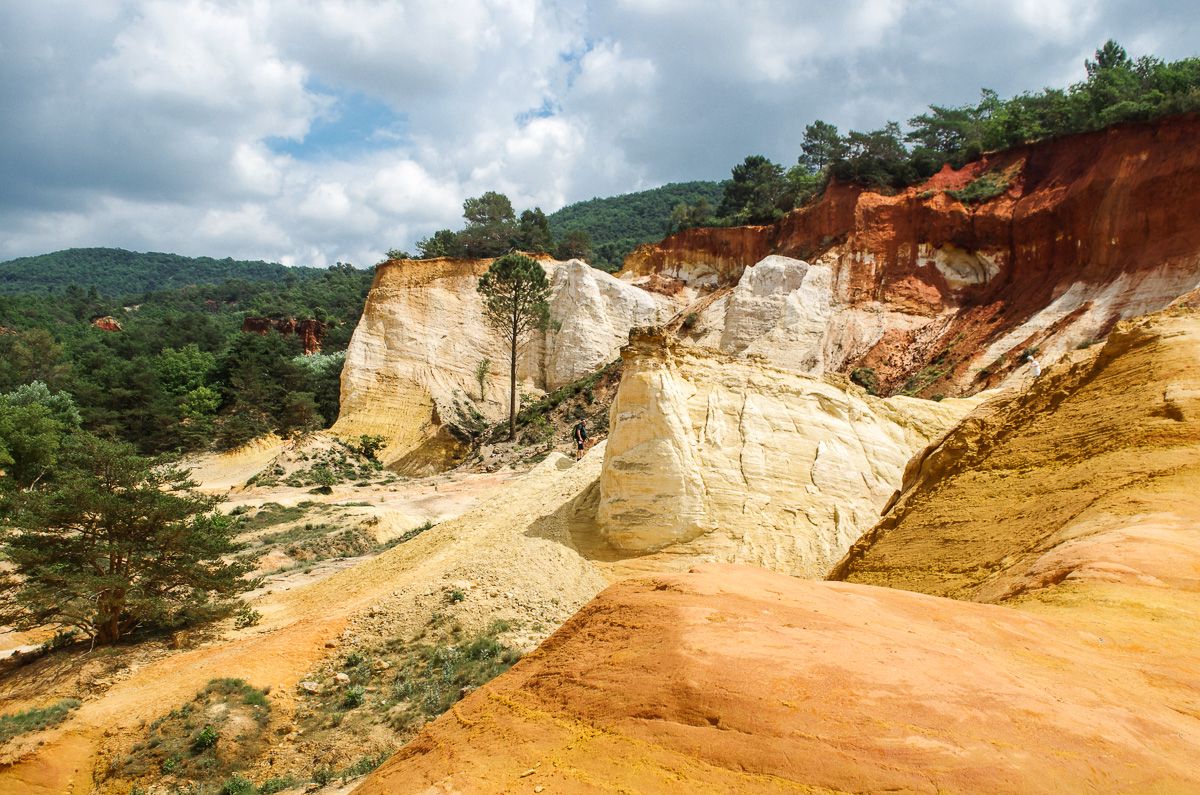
(942, 297)
(748, 462)
(411, 366)
(106, 323)
(310, 331)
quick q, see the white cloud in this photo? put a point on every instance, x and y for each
(155, 125)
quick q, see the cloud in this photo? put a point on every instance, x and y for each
(309, 132)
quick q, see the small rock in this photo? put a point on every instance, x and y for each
(341, 678)
(528, 772)
(538, 788)
(310, 686)
(331, 644)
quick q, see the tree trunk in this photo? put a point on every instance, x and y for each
(512, 392)
(108, 616)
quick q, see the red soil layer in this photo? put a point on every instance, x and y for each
(1090, 208)
(311, 331)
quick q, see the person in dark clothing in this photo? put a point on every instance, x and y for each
(580, 435)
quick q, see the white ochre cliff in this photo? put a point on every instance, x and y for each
(798, 315)
(411, 367)
(742, 461)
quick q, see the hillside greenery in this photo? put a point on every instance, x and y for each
(618, 224)
(1117, 89)
(600, 231)
(181, 375)
(115, 271)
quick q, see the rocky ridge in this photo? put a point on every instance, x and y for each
(411, 367)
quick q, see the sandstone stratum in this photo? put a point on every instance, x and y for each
(938, 296)
(411, 368)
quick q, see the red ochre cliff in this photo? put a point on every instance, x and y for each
(311, 331)
(1093, 228)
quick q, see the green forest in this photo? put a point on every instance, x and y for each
(601, 231)
(618, 224)
(115, 271)
(181, 375)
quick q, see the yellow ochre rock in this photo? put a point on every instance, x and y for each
(749, 462)
(410, 371)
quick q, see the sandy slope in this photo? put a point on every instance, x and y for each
(734, 679)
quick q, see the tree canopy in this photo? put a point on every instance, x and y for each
(515, 292)
(113, 543)
(182, 374)
(1117, 88)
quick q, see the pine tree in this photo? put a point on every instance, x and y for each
(515, 292)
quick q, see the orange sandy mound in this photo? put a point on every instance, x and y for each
(733, 679)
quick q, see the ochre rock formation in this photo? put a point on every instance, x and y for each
(311, 331)
(1062, 523)
(1087, 479)
(750, 462)
(1092, 229)
(410, 372)
(107, 323)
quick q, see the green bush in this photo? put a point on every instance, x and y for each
(985, 187)
(32, 720)
(866, 378)
(354, 697)
(236, 785)
(278, 784)
(207, 738)
(246, 616)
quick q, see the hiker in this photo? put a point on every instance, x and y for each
(1035, 366)
(579, 434)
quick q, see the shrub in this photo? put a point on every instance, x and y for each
(207, 738)
(278, 784)
(32, 720)
(363, 766)
(866, 378)
(983, 188)
(246, 616)
(236, 785)
(354, 697)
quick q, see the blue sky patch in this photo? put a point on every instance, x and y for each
(356, 123)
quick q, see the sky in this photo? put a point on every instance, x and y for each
(311, 132)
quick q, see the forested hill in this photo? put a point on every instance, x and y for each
(619, 223)
(114, 271)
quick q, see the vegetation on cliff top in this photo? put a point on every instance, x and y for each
(601, 231)
(1117, 89)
